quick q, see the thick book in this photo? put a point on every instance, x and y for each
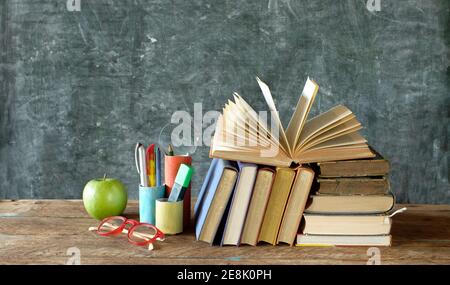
(243, 134)
(295, 205)
(353, 186)
(258, 205)
(377, 166)
(213, 199)
(281, 188)
(346, 224)
(239, 203)
(333, 240)
(353, 204)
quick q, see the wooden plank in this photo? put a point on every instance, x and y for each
(41, 232)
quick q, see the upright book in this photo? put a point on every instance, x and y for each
(213, 199)
(258, 205)
(241, 134)
(277, 202)
(295, 205)
(239, 204)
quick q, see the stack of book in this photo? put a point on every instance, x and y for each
(246, 203)
(262, 197)
(350, 206)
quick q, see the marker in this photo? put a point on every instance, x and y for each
(181, 183)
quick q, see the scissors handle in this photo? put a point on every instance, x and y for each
(136, 157)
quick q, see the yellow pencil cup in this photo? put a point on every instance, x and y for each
(169, 216)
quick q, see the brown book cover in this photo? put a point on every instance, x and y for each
(353, 186)
(377, 166)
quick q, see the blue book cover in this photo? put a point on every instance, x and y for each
(205, 186)
(208, 191)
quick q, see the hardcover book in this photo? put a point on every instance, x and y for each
(295, 205)
(347, 224)
(239, 203)
(353, 186)
(377, 166)
(353, 204)
(258, 205)
(213, 199)
(333, 240)
(281, 188)
(241, 134)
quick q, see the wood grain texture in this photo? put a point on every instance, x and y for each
(41, 232)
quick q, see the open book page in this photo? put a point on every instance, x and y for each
(353, 139)
(262, 130)
(326, 130)
(241, 134)
(347, 127)
(243, 126)
(323, 122)
(298, 119)
(271, 104)
(226, 145)
(246, 108)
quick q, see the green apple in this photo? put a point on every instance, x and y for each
(104, 197)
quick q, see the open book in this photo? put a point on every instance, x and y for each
(243, 134)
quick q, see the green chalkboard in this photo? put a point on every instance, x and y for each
(79, 87)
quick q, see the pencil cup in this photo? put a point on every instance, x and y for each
(171, 166)
(147, 199)
(169, 216)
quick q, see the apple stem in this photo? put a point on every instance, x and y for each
(104, 176)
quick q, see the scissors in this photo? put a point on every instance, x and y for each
(141, 164)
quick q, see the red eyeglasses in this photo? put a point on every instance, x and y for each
(140, 234)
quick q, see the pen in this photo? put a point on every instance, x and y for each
(158, 165)
(151, 165)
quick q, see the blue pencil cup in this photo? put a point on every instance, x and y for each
(147, 200)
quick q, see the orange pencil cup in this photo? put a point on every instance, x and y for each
(171, 165)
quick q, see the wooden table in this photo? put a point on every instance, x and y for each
(46, 231)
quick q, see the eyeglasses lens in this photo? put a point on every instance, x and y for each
(110, 225)
(143, 233)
